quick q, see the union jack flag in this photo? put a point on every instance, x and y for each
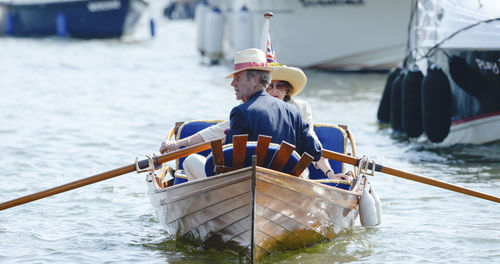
(270, 54)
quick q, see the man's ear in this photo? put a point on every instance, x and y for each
(255, 79)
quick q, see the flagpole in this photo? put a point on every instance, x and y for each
(265, 31)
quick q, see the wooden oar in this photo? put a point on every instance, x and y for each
(410, 176)
(105, 175)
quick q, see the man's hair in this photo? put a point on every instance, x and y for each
(264, 76)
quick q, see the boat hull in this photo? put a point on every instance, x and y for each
(79, 19)
(476, 130)
(474, 119)
(281, 213)
(332, 35)
(453, 47)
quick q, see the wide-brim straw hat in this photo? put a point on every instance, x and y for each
(249, 59)
(293, 75)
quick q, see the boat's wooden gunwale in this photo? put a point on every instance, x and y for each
(355, 190)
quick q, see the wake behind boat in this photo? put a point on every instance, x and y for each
(75, 18)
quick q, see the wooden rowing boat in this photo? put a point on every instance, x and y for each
(254, 211)
(287, 212)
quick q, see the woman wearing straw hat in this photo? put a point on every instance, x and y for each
(286, 83)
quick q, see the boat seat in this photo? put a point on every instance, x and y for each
(269, 155)
(188, 129)
(332, 138)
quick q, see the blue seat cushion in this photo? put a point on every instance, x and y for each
(189, 129)
(178, 180)
(332, 138)
(251, 146)
(338, 185)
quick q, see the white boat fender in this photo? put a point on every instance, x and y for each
(200, 15)
(396, 102)
(384, 107)
(411, 106)
(467, 78)
(213, 34)
(367, 209)
(242, 30)
(436, 104)
(378, 205)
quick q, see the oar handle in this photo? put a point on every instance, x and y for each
(143, 164)
(410, 176)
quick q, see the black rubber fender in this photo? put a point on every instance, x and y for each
(384, 107)
(411, 105)
(436, 105)
(396, 102)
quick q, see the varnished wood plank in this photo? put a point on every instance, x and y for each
(262, 147)
(217, 153)
(282, 156)
(302, 164)
(205, 199)
(307, 219)
(233, 236)
(239, 150)
(341, 197)
(222, 169)
(285, 239)
(209, 229)
(289, 233)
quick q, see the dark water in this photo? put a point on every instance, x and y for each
(70, 109)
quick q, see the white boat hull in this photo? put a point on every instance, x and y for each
(478, 130)
(336, 35)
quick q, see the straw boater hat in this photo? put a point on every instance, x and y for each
(294, 76)
(249, 59)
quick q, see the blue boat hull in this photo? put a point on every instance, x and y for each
(79, 19)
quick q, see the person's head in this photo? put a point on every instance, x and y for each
(286, 82)
(248, 82)
(251, 73)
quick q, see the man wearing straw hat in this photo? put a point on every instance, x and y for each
(262, 114)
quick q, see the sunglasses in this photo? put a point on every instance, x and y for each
(280, 85)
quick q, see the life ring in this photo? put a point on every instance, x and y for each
(436, 105)
(411, 109)
(396, 102)
(384, 107)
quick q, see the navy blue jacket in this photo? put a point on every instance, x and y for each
(263, 114)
